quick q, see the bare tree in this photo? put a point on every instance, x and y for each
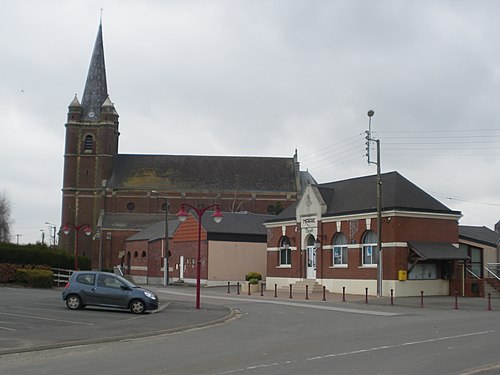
(5, 218)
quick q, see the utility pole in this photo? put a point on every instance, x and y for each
(166, 247)
(370, 139)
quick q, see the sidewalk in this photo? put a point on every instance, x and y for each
(428, 302)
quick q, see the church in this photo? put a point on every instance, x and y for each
(108, 197)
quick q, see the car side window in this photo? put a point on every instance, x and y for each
(109, 282)
(86, 278)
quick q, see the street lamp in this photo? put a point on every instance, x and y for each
(183, 215)
(167, 247)
(86, 230)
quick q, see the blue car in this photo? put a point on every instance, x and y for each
(105, 289)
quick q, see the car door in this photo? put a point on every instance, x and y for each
(110, 291)
(86, 287)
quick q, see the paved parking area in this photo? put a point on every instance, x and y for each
(34, 319)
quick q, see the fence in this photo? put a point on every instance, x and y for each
(61, 276)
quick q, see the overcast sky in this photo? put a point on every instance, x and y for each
(261, 78)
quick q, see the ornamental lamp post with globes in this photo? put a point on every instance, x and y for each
(183, 215)
(86, 229)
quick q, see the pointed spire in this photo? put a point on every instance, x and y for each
(96, 90)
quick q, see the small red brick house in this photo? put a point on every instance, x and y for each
(229, 249)
(330, 238)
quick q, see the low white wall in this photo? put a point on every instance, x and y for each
(406, 288)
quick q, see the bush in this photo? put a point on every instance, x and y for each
(38, 278)
(8, 273)
(253, 276)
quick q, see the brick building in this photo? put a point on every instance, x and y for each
(229, 250)
(117, 195)
(330, 238)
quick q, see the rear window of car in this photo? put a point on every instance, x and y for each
(86, 278)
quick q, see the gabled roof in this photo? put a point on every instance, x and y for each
(360, 195)
(236, 223)
(156, 231)
(96, 89)
(481, 235)
(206, 173)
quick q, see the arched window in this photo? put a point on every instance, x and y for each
(285, 252)
(88, 144)
(340, 249)
(370, 250)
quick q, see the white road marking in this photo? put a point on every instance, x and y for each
(402, 345)
(40, 318)
(354, 352)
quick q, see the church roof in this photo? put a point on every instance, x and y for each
(96, 90)
(203, 173)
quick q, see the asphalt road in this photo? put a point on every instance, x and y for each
(270, 336)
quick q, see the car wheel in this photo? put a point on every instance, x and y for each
(137, 306)
(73, 302)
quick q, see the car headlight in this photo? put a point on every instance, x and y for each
(150, 295)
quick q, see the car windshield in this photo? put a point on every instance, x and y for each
(126, 282)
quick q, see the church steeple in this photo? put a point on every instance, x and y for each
(96, 90)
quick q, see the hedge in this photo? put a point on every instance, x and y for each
(37, 278)
(40, 255)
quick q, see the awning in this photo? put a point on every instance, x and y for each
(437, 251)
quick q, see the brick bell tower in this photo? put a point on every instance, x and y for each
(90, 145)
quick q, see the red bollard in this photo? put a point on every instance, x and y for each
(456, 300)
(421, 298)
(307, 291)
(324, 293)
(366, 295)
(238, 288)
(275, 290)
(261, 290)
(489, 301)
(290, 291)
(343, 294)
(228, 287)
(392, 297)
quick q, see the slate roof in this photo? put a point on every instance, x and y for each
(437, 251)
(96, 89)
(129, 221)
(205, 173)
(156, 231)
(481, 235)
(236, 223)
(233, 223)
(359, 195)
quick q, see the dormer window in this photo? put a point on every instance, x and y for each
(88, 145)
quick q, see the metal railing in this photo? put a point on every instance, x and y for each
(472, 273)
(493, 269)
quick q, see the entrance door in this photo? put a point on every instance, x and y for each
(181, 268)
(311, 262)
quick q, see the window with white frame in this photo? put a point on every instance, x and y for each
(285, 252)
(340, 249)
(370, 250)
